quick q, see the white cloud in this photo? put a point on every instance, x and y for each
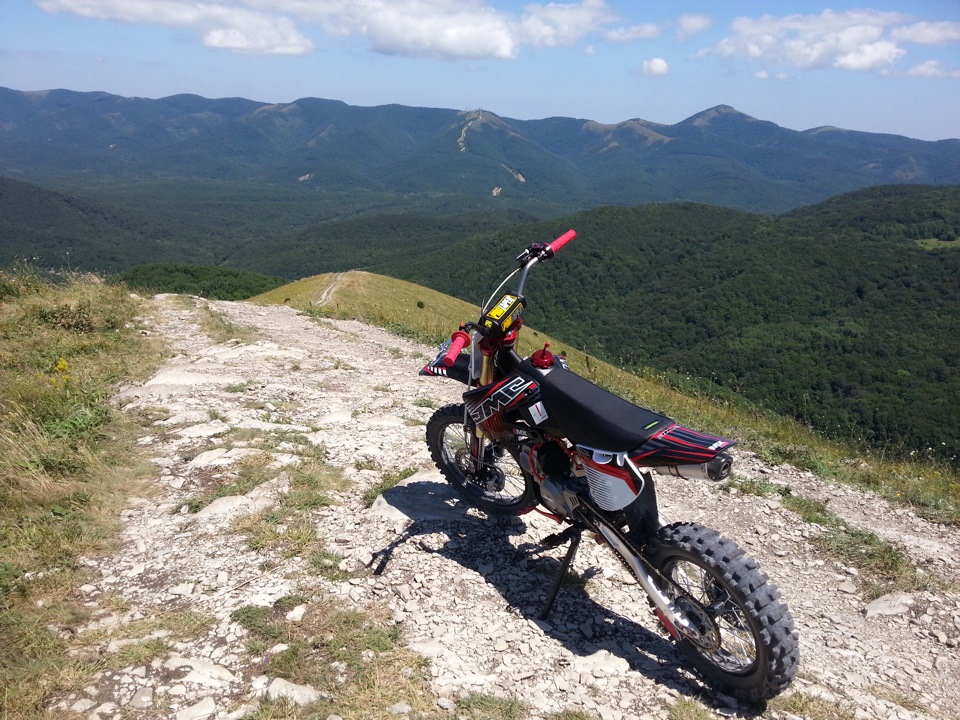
(933, 69)
(928, 33)
(462, 33)
(224, 25)
(860, 40)
(655, 66)
(456, 29)
(870, 56)
(646, 31)
(689, 25)
(563, 24)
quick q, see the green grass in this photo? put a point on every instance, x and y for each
(254, 471)
(65, 466)
(387, 480)
(353, 657)
(884, 566)
(479, 706)
(934, 244)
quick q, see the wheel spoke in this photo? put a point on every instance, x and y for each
(493, 481)
(727, 641)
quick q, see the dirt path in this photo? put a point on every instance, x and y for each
(463, 590)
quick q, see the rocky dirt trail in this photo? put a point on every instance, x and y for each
(465, 591)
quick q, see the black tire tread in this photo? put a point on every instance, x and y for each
(778, 651)
(435, 426)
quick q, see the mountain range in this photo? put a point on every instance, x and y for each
(720, 156)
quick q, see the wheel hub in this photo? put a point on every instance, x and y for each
(703, 631)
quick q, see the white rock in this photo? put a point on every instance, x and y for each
(143, 698)
(202, 672)
(297, 694)
(897, 603)
(82, 705)
(200, 711)
(296, 615)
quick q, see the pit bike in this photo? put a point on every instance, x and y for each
(532, 434)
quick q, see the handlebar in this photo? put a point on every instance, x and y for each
(562, 240)
(527, 259)
(458, 341)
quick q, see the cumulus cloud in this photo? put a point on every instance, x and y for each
(563, 24)
(860, 40)
(689, 25)
(655, 66)
(928, 33)
(645, 31)
(456, 29)
(933, 69)
(224, 25)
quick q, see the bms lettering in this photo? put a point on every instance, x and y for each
(501, 398)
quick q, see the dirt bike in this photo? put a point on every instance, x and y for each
(531, 433)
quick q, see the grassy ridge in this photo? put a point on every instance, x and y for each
(65, 457)
(931, 486)
(65, 465)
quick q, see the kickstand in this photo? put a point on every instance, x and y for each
(575, 533)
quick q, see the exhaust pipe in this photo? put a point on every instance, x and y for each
(715, 470)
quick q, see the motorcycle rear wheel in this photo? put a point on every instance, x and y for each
(747, 646)
(497, 484)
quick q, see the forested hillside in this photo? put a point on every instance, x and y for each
(845, 315)
(288, 232)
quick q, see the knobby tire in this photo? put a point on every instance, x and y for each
(499, 487)
(753, 654)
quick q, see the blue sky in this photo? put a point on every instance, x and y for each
(875, 65)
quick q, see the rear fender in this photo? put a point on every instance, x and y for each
(686, 453)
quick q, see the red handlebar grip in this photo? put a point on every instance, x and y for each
(459, 340)
(563, 240)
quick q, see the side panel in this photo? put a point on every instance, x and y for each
(487, 405)
(460, 370)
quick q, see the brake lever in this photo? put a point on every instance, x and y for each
(539, 250)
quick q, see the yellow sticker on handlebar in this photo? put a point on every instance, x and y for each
(503, 315)
(506, 303)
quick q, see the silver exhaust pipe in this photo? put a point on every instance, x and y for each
(715, 470)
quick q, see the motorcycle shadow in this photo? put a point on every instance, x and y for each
(523, 573)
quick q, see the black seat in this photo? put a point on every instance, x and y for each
(591, 415)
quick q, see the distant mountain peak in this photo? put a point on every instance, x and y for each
(720, 156)
(706, 117)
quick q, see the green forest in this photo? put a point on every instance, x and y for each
(844, 314)
(213, 283)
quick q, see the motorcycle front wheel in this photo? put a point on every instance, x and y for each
(494, 482)
(745, 644)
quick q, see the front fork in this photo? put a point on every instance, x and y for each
(478, 442)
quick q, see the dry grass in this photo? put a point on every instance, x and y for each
(811, 707)
(355, 659)
(220, 329)
(689, 709)
(65, 465)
